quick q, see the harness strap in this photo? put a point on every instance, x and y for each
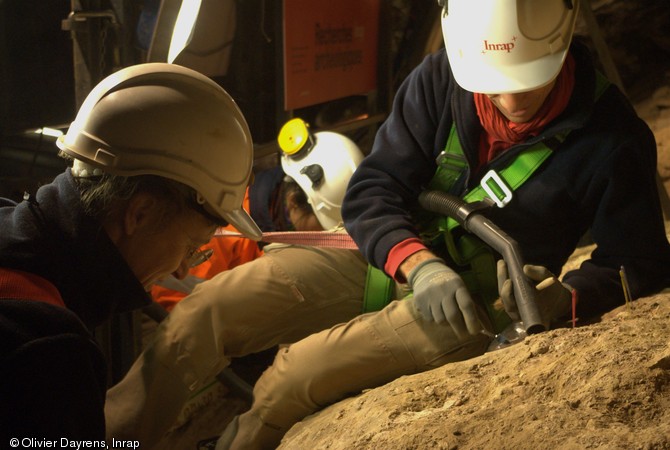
(379, 288)
(513, 176)
(17, 284)
(333, 239)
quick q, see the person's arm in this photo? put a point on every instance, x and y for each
(385, 187)
(627, 226)
(414, 260)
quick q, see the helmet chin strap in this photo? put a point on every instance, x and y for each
(80, 169)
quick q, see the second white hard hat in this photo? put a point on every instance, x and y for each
(322, 164)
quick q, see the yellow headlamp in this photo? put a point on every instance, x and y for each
(294, 136)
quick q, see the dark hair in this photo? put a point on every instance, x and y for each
(288, 189)
(104, 196)
(291, 189)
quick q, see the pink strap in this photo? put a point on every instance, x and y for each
(334, 239)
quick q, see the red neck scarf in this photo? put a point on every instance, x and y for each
(500, 133)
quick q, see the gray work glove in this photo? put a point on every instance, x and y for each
(554, 299)
(440, 294)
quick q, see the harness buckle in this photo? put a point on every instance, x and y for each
(451, 161)
(496, 188)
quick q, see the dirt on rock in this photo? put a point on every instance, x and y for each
(605, 385)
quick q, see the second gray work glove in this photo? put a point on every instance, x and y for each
(554, 299)
(440, 294)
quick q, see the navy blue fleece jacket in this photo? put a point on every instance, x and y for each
(53, 375)
(602, 179)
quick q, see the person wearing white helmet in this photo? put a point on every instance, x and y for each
(303, 193)
(323, 175)
(512, 94)
(162, 157)
(280, 297)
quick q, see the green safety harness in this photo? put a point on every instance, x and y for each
(475, 261)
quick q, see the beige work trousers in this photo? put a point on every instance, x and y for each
(285, 295)
(368, 351)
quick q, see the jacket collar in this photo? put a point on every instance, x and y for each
(54, 238)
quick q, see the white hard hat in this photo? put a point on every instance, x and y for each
(170, 121)
(507, 46)
(322, 164)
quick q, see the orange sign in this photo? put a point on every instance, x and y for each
(330, 50)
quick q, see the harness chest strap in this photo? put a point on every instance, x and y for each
(451, 165)
(20, 285)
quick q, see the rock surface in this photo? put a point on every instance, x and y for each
(605, 385)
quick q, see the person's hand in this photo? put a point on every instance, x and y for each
(440, 294)
(554, 298)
